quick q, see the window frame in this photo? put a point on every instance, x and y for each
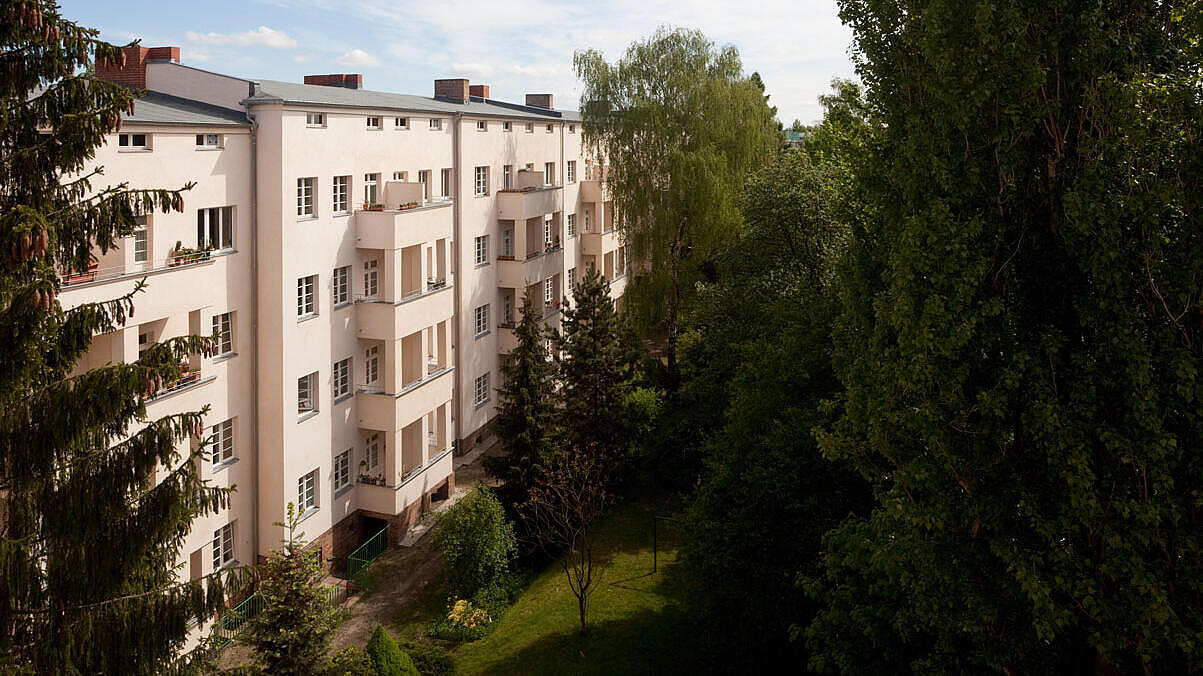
(482, 125)
(343, 285)
(549, 173)
(223, 546)
(507, 126)
(481, 181)
(480, 250)
(480, 320)
(374, 122)
(203, 142)
(306, 297)
(480, 390)
(570, 172)
(307, 492)
(223, 328)
(315, 120)
(141, 237)
(215, 228)
(371, 184)
(306, 198)
(126, 144)
(371, 365)
(340, 470)
(400, 123)
(570, 224)
(436, 124)
(307, 392)
(445, 182)
(371, 278)
(340, 382)
(222, 443)
(340, 195)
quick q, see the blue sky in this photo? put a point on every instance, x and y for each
(514, 46)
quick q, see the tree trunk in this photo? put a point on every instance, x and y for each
(581, 601)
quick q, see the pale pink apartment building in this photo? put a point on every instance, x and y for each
(362, 256)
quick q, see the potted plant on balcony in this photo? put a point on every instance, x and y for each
(183, 255)
(72, 277)
(372, 206)
(408, 205)
(365, 478)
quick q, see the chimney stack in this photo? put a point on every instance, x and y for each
(539, 100)
(133, 72)
(479, 90)
(453, 89)
(344, 80)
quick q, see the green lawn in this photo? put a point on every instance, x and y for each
(635, 621)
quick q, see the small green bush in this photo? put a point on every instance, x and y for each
(387, 657)
(431, 660)
(463, 622)
(351, 662)
(477, 542)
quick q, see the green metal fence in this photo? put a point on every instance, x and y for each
(232, 622)
(368, 552)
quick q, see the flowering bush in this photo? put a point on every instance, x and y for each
(464, 621)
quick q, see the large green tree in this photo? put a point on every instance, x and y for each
(525, 406)
(1020, 344)
(767, 494)
(681, 127)
(95, 499)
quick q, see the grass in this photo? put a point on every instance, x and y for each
(636, 624)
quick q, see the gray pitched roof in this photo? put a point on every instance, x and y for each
(275, 91)
(160, 108)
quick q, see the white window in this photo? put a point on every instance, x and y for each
(223, 546)
(481, 316)
(480, 250)
(342, 194)
(141, 240)
(547, 240)
(436, 123)
(342, 285)
(549, 129)
(307, 492)
(481, 125)
(215, 228)
(370, 182)
(507, 173)
(371, 451)
(445, 182)
(373, 122)
(133, 142)
(400, 123)
(306, 303)
(530, 127)
(547, 291)
(341, 385)
(482, 181)
(549, 173)
(306, 393)
(400, 175)
(480, 390)
(305, 196)
(424, 179)
(572, 171)
(371, 278)
(371, 365)
(208, 141)
(572, 129)
(507, 243)
(315, 120)
(223, 328)
(342, 470)
(572, 277)
(507, 126)
(570, 219)
(221, 440)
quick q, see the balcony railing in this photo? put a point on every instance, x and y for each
(99, 274)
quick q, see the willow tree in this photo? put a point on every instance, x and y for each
(95, 499)
(681, 127)
(1021, 342)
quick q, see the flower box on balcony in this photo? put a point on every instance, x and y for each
(80, 277)
(409, 205)
(371, 479)
(373, 207)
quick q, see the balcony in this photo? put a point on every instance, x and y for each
(594, 190)
(385, 411)
(520, 204)
(382, 320)
(598, 243)
(393, 499)
(519, 274)
(98, 273)
(401, 228)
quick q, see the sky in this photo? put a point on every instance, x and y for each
(514, 46)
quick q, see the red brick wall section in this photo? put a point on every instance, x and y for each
(347, 80)
(452, 90)
(539, 100)
(479, 90)
(133, 73)
(481, 436)
(163, 54)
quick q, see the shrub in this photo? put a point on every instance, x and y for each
(351, 662)
(477, 542)
(387, 657)
(431, 660)
(463, 622)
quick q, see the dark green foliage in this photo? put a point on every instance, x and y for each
(1020, 344)
(477, 542)
(351, 661)
(681, 126)
(524, 414)
(767, 495)
(96, 498)
(387, 657)
(291, 635)
(430, 660)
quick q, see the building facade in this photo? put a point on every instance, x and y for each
(362, 257)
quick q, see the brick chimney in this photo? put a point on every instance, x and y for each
(344, 80)
(479, 90)
(539, 100)
(455, 89)
(133, 72)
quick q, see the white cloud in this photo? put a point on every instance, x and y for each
(302, 58)
(357, 58)
(260, 37)
(472, 69)
(195, 55)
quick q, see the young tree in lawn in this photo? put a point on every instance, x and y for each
(291, 634)
(681, 127)
(95, 498)
(524, 417)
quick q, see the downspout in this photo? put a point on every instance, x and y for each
(255, 323)
(456, 389)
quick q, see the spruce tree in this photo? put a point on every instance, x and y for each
(524, 415)
(95, 499)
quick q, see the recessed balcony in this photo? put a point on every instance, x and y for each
(401, 228)
(519, 274)
(598, 243)
(394, 498)
(389, 411)
(594, 190)
(383, 320)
